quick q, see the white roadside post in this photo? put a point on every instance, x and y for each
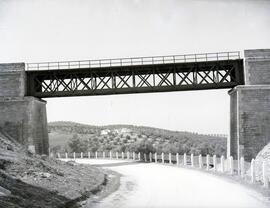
(207, 162)
(74, 155)
(89, 155)
(145, 159)
(215, 163)
(192, 160)
(123, 156)
(150, 157)
(170, 158)
(185, 160)
(239, 166)
(58, 155)
(200, 161)
(252, 171)
(264, 175)
(155, 157)
(231, 165)
(96, 155)
(81, 155)
(222, 164)
(66, 155)
(139, 156)
(177, 159)
(242, 167)
(117, 155)
(110, 154)
(128, 155)
(162, 157)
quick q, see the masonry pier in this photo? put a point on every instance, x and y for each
(250, 107)
(22, 117)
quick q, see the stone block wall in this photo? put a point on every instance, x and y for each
(232, 139)
(38, 124)
(250, 107)
(24, 118)
(12, 80)
(257, 67)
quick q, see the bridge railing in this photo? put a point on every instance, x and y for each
(136, 61)
(245, 170)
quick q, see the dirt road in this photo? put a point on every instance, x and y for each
(154, 185)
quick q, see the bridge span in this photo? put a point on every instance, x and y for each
(135, 75)
(22, 87)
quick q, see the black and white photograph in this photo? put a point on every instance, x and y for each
(134, 103)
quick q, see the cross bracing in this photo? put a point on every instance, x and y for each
(139, 78)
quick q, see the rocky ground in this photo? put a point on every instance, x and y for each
(28, 180)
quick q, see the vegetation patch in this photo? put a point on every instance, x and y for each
(75, 137)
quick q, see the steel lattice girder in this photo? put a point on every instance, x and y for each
(136, 79)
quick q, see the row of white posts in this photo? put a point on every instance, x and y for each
(225, 165)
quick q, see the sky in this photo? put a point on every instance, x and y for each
(55, 30)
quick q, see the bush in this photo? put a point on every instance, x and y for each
(77, 145)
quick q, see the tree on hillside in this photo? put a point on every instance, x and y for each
(77, 145)
(55, 149)
(66, 148)
(142, 146)
(93, 148)
(204, 148)
(170, 147)
(220, 149)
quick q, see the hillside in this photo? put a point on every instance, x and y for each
(28, 180)
(69, 136)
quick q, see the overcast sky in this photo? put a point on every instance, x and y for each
(54, 30)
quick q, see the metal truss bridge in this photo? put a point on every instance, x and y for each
(135, 75)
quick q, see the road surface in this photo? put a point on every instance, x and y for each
(154, 185)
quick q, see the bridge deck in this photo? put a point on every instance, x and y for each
(135, 75)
